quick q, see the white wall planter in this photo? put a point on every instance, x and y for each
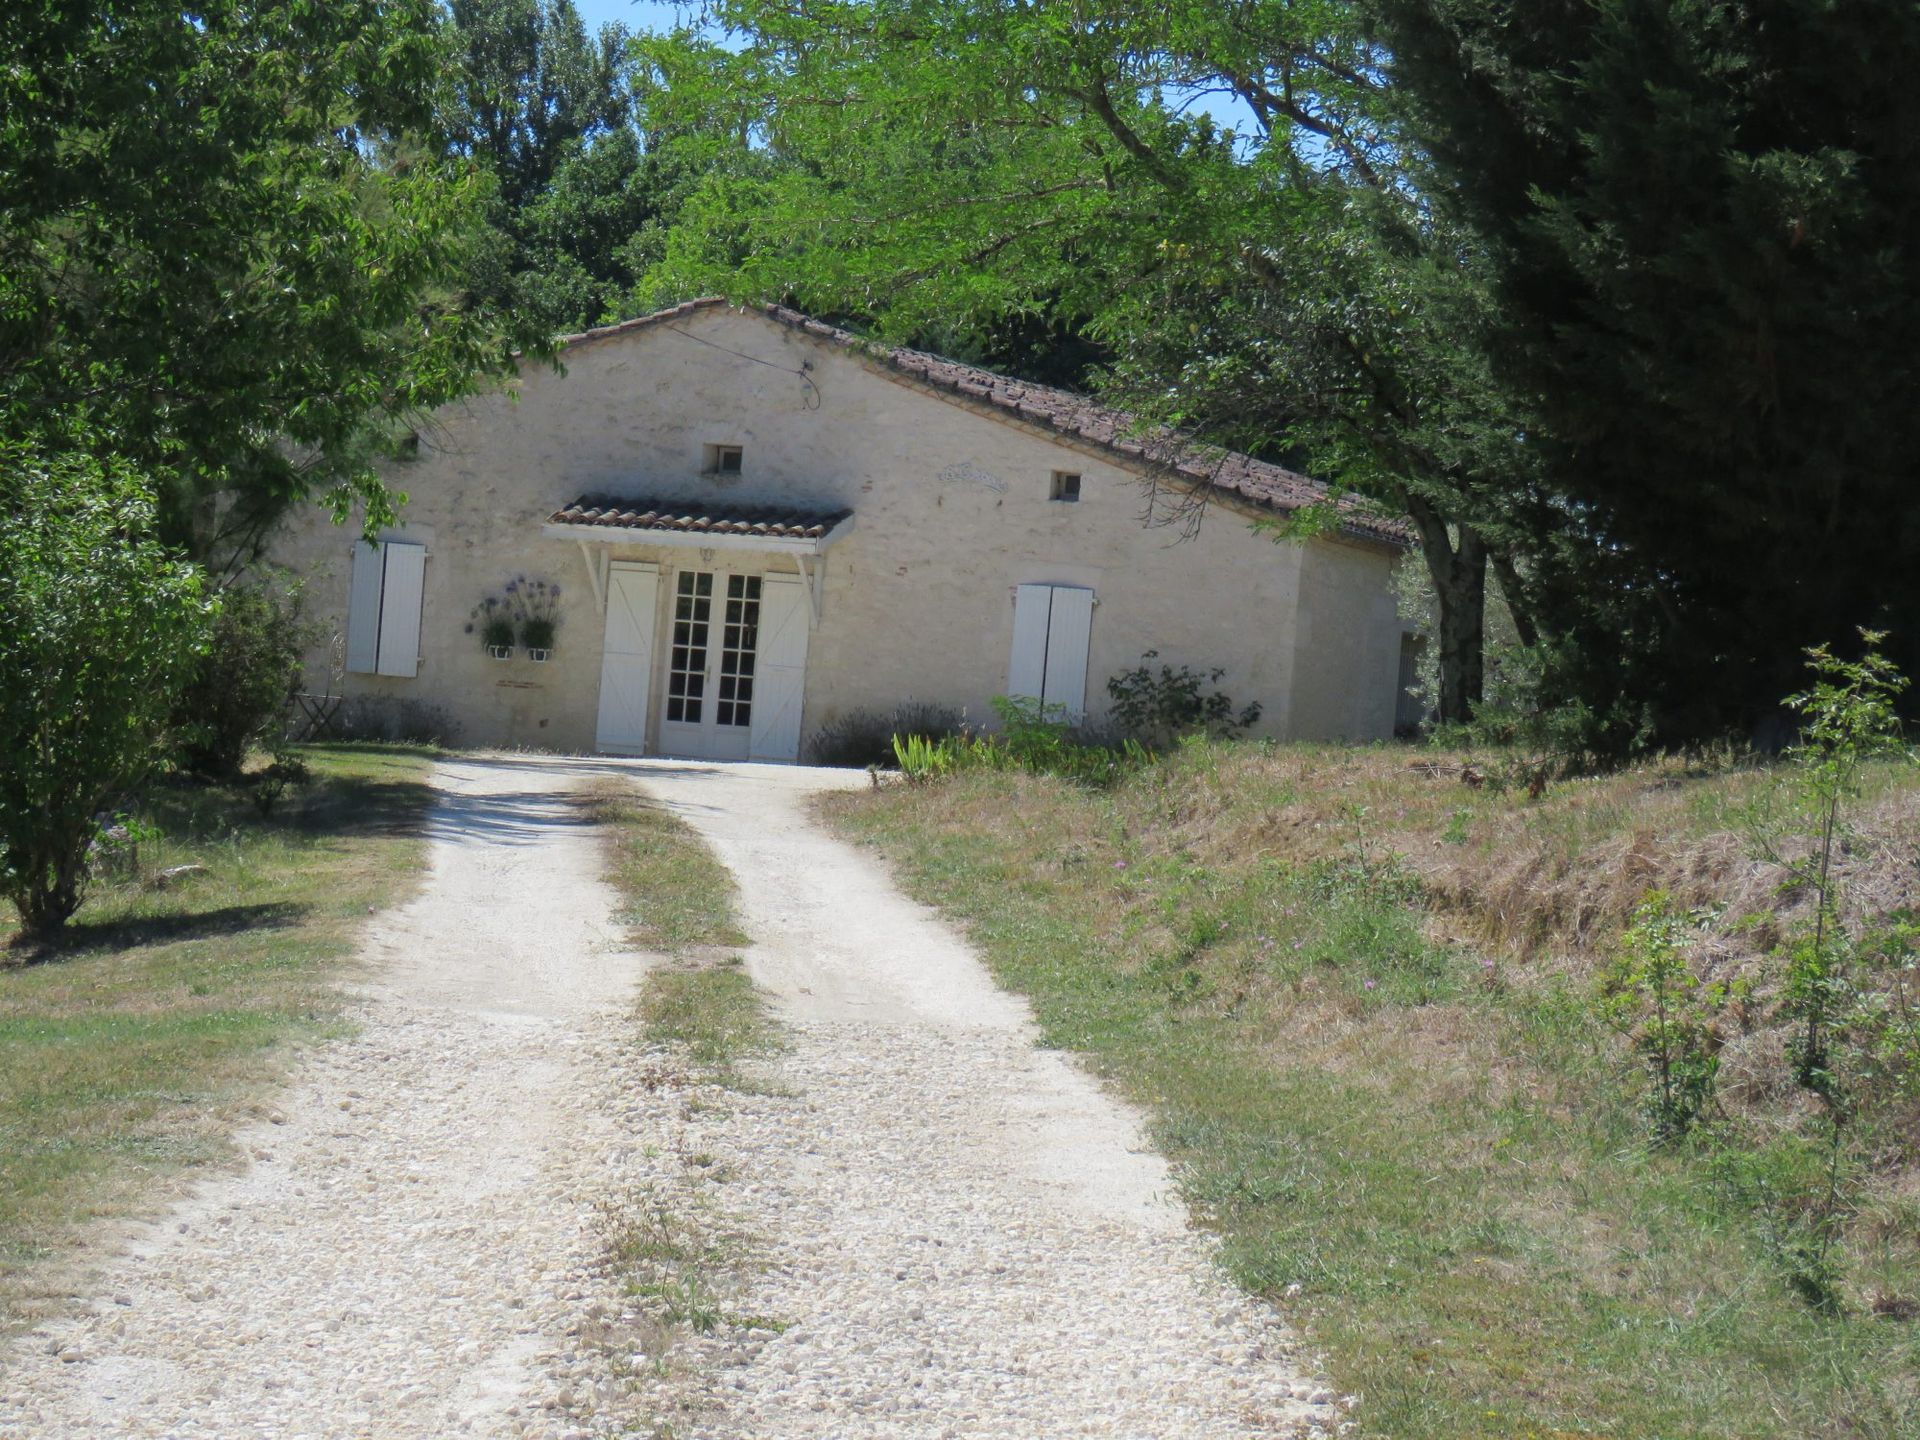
(500, 652)
(539, 657)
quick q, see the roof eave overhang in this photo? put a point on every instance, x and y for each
(698, 539)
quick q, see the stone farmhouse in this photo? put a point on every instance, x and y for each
(745, 524)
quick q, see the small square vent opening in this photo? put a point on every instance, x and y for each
(1066, 487)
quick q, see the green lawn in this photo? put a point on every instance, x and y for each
(171, 1009)
(1428, 1152)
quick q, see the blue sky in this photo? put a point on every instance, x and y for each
(634, 14)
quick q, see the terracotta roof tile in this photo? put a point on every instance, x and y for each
(1258, 482)
(700, 516)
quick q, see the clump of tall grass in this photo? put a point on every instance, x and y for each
(1032, 736)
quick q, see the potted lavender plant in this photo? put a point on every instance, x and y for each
(536, 605)
(491, 618)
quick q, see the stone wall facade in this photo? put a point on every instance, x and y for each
(952, 512)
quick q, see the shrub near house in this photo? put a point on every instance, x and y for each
(99, 627)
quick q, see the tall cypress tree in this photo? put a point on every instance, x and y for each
(1700, 218)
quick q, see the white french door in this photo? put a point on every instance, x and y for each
(626, 664)
(708, 709)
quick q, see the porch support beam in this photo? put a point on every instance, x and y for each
(814, 578)
(596, 558)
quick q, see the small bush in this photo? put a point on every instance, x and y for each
(99, 628)
(1651, 996)
(242, 688)
(860, 739)
(272, 785)
(1032, 737)
(1156, 709)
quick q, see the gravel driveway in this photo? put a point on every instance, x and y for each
(959, 1235)
(966, 1236)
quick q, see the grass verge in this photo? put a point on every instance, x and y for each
(1428, 1151)
(675, 895)
(677, 898)
(128, 1050)
(675, 1248)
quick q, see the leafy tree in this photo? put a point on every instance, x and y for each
(583, 193)
(534, 86)
(231, 242)
(1695, 223)
(1650, 994)
(955, 167)
(99, 624)
(1848, 720)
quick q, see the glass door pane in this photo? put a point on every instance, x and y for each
(687, 674)
(738, 637)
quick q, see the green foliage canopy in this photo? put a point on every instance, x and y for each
(953, 167)
(584, 190)
(1696, 222)
(232, 245)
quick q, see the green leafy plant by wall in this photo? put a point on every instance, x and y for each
(1040, 738)
(100, 626)
(864, 738)
(1033, 737)
(1157, 707)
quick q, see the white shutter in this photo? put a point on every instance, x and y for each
(1027, 669)
(363, 610)
(779, 669)
(1052, 625)
(1069, 628)
(403, 582)
(626, 661)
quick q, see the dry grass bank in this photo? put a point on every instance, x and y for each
(1357, 989)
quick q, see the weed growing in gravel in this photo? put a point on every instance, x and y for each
(678, 1254)
(712, 1012)
(677, 1251)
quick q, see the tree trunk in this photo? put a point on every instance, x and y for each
(1459, 571)
(1525, 628)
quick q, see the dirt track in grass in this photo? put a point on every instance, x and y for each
(964, 1235)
